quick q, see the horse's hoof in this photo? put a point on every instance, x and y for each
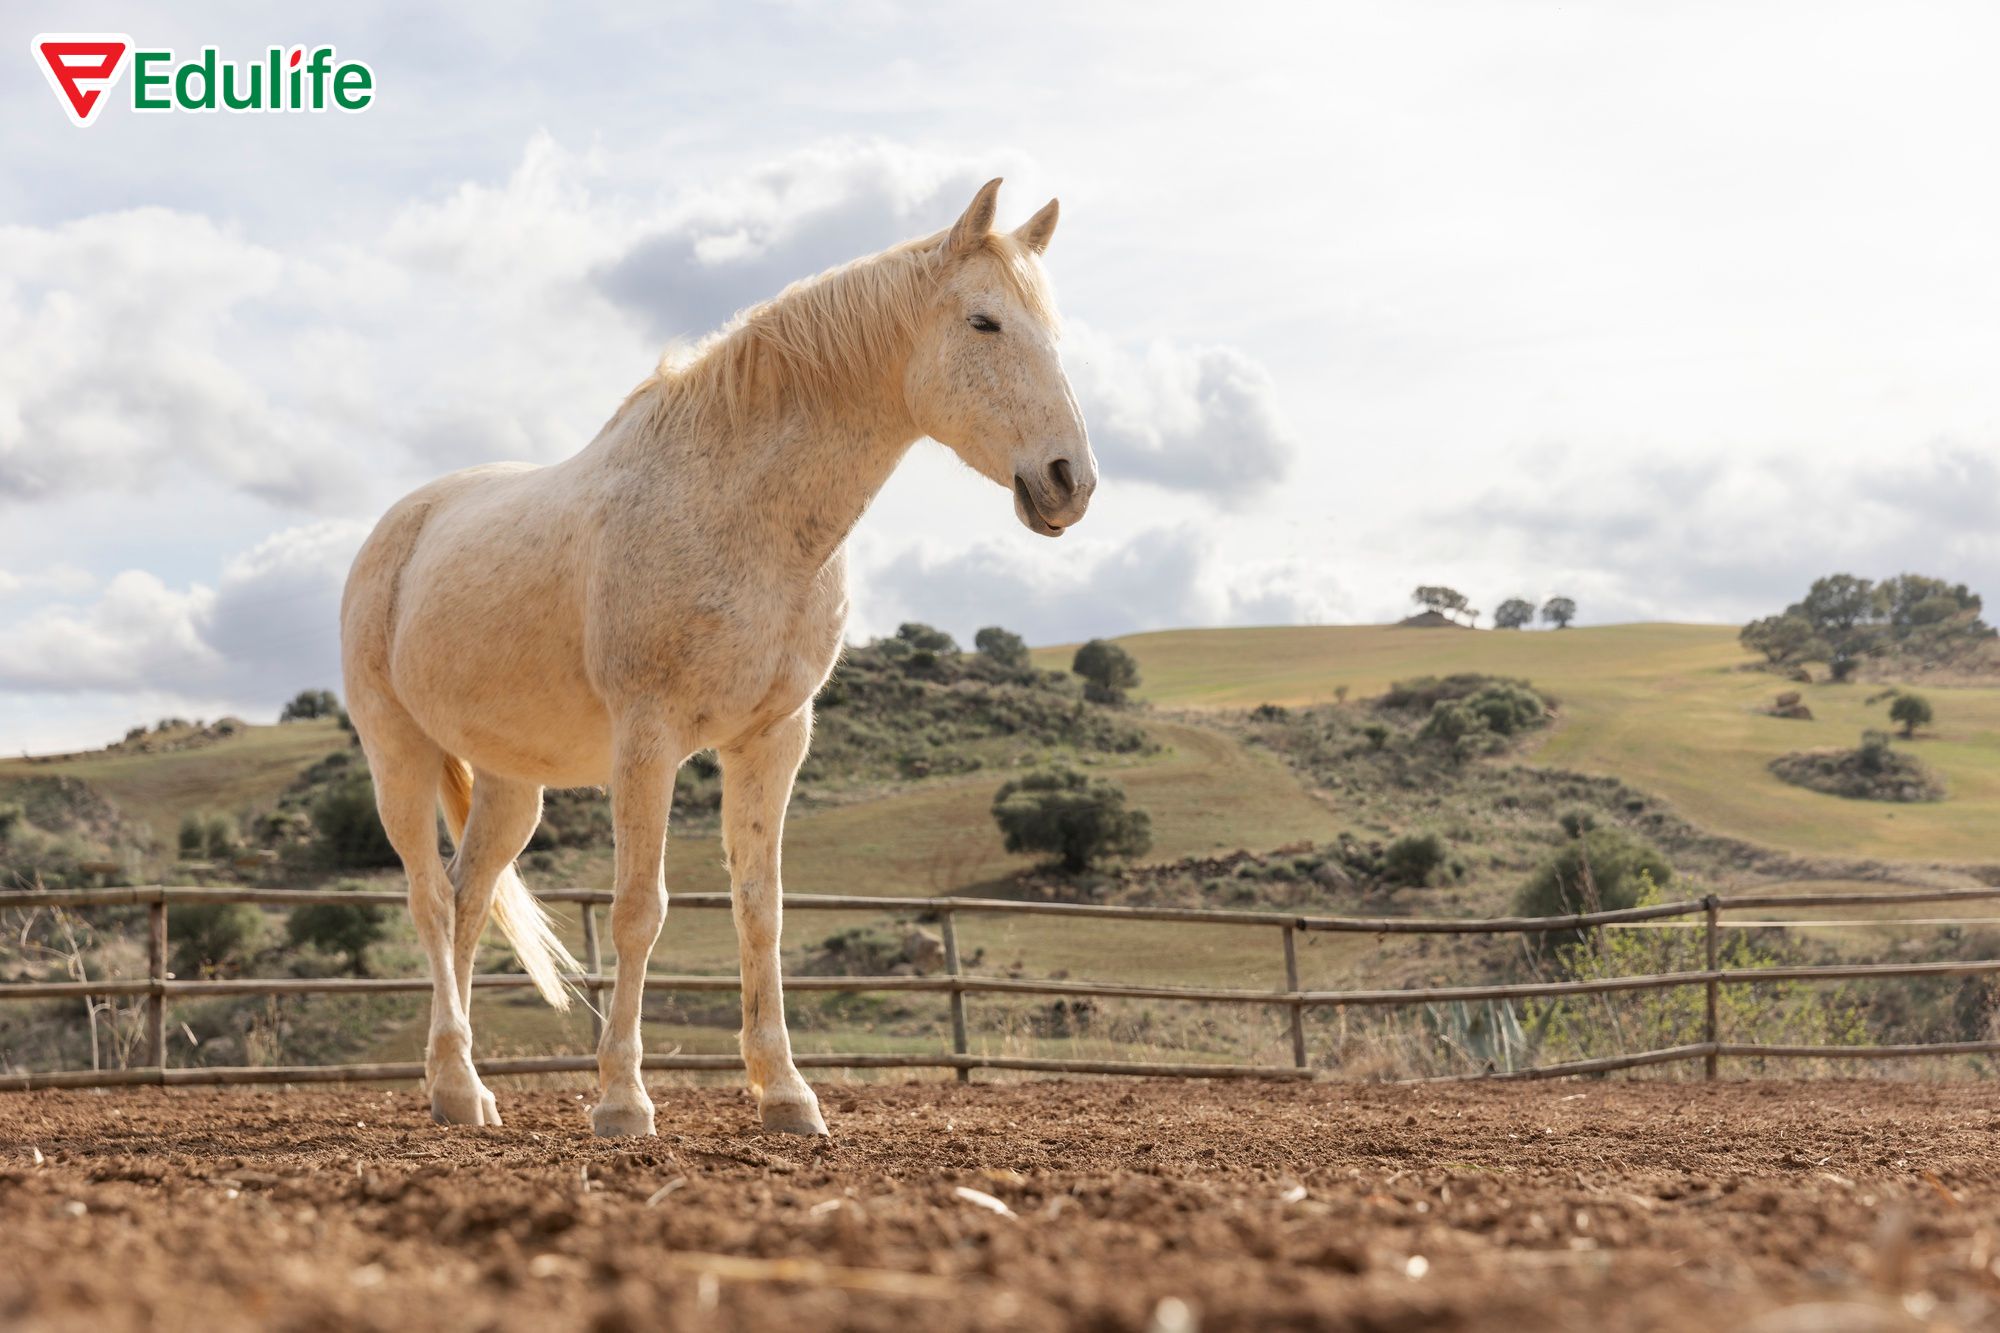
(461, 1104)
(793, 1117)
(616, 1122)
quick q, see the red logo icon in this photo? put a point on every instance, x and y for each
(81, 67)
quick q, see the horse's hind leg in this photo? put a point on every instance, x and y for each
(757, 778)
(407, 766)
(503, 818)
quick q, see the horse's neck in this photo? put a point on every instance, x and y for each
(807, 474)
(791, 475)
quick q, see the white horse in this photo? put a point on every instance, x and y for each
(678, 585)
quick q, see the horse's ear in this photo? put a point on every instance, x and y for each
(973, 227)
(1036, 231)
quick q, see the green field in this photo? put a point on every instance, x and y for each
(1668, 708)
(246, 771)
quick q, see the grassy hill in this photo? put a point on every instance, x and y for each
(1665, 707)
(154, 790)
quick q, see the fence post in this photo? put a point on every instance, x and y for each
(958, 1042)
(1292, 987)
(1713, 910)
(593, 962)
(156, 969)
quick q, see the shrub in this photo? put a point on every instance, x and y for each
(348, 832)
(1602, 871)
(194, 836)
(1108, 671)
(342, 928)
(1910, 710)
(219, 839)
(1377, 734)
(1413, 858)
(11, 817)
(1578, 822)
(1449, 721)
(1076, 820)
(214, 937)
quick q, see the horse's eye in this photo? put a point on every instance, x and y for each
(985, 323)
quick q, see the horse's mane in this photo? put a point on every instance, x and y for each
(821, 335)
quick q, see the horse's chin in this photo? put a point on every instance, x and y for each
(1031, 517)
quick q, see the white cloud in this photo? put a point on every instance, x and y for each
(268, 628)
(1074, 589)
(59, 579)
(1725, 537)
(1202, 419)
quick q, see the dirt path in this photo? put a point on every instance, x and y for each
(1128, 1206)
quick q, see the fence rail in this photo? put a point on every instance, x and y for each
(158, 987)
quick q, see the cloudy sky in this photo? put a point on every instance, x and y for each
(1666, 307)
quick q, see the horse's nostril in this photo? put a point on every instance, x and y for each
(1059, 473)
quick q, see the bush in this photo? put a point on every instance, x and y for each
(1075, 819)
(1911, 711)
(1413, 858)
(1602, 871)
(219, 839)
(194, 836)
(342, 928)
(1578, 822)
(1872, 772)
(348, 832)
(1377, 734)
(1108, 671)
(214, 937)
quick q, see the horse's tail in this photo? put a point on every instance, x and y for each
(522, 919)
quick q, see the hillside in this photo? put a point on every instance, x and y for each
(152, 789)
(1667, 708)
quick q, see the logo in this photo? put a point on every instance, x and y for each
(81, 67)
(84, 68)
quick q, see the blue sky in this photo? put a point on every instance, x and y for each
(1665, 307)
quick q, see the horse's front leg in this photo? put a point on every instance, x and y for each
(757, 778)
(646, 754)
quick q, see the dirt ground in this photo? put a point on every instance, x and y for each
(1098, 1205)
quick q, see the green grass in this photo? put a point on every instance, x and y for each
(245, 771)
(1665, 707)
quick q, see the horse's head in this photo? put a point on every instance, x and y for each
(985, 379)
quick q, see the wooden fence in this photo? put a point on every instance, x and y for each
(158, 988)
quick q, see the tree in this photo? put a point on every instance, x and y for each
(1447, 602)
(343, 928)
(1077, 820)
(1003, 647)
(309, 704)
(1107, 670)
(1786, 638)
(1912, 711)
(1839, 602)
(1558, 611)
(921, 636)
(1514, 613)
